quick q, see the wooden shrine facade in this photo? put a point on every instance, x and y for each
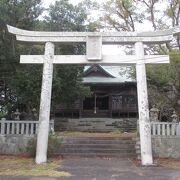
(111, 96)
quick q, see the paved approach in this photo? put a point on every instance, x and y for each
(106, 169)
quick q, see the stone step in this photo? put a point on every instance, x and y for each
(103, 155)
(99, 142)
(95, 129)
(96, 124)
(89, 127)
(97, 146)
(98, 150)
(125, 138)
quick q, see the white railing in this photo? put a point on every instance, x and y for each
(29, 128)
(165, 129)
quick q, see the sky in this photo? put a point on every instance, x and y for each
(46, 3)
(109, 49)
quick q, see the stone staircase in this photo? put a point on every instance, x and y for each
(98, 147)
(96, 124)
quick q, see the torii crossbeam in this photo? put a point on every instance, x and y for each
(94, 41)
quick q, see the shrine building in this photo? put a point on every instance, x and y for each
(113, 95)
(113, 98)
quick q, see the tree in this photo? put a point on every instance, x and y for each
(128, 15)
(63, 16)
(22, 14)
(173, 12)
(67, 86)
(121, 15)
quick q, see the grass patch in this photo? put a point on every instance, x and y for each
(171, 163)
(54, 143)
(116, 132)
(168, 162)
(23, 166)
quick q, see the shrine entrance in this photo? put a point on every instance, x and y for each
(96, 106)
(98, 101)
(94, 41)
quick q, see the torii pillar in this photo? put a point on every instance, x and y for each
(143, 107)
(94, 41)
(45, 103)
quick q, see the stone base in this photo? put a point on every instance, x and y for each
(166, 147)
(13, 144)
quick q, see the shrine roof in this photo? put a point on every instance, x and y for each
(119, 74)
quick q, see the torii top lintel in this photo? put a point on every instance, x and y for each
(107, 37)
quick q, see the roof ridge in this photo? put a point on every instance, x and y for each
(87, 71)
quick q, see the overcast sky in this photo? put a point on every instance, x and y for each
(146, 26)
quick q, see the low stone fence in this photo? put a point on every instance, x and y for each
(13, 144)
(166, 146)
(28, 128)
(165, 129)
(165, 139)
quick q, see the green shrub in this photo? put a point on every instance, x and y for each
(54, 142)
(31, 147)
(2, 114)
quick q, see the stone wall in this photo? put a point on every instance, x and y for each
(166, 146)
(162, 146)
(13, 144)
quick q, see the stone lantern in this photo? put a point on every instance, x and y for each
(174, 117)
(17, 114)
(34, 113)
(154, 113)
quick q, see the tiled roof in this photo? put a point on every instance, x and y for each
(119, 72)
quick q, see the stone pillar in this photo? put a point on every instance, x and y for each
(144, 121)
(3, 120)
(45, 103)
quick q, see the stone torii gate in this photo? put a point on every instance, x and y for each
(94, 41)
